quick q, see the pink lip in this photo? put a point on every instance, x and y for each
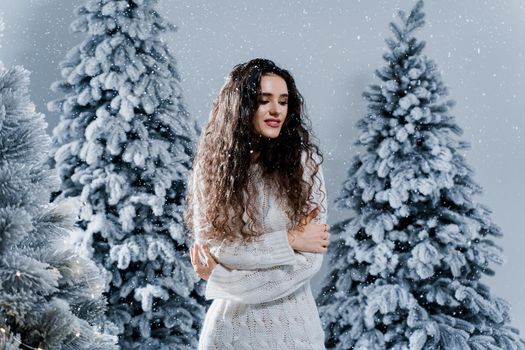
(272, 123)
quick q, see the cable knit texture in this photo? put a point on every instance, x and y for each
(261, 291)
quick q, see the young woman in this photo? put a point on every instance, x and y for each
(257, 208)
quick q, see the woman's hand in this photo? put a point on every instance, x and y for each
(310, 237)
(202, 270)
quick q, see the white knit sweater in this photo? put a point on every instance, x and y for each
(261, 290)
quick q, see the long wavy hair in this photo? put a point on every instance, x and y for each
(224, 157)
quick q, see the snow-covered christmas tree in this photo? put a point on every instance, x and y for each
(405, 271)
(124, 146)
(50, 297)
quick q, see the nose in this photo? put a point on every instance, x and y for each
(275, 109)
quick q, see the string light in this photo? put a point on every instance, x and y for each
(77, 334)
(3, 331)
(90, 284)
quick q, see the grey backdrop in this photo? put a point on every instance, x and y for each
(332, 48)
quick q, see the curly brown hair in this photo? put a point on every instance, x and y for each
(224, 156)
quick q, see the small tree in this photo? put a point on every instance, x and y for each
(125, 146)
(405, 271)
(50, 298)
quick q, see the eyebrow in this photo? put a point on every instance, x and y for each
(268, 94)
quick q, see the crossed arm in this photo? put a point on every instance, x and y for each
(263, 270)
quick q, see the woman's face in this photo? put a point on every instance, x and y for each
(272, 106)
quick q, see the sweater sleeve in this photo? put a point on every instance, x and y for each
(268, 250)
(264, 285)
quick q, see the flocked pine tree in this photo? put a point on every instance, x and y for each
(405, 271)
(50, 297)
(124, 145)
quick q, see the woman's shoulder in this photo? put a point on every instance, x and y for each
(305, 154)
(310, 160)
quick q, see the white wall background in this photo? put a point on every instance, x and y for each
(332, 48)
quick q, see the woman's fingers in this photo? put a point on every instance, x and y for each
(325, 241)
(195, 256)
(210, 261)
(200, 269)
(197, 263)
(313, 237)
(321, 227)
(325, 227)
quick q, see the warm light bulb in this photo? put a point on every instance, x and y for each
(18, 274)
